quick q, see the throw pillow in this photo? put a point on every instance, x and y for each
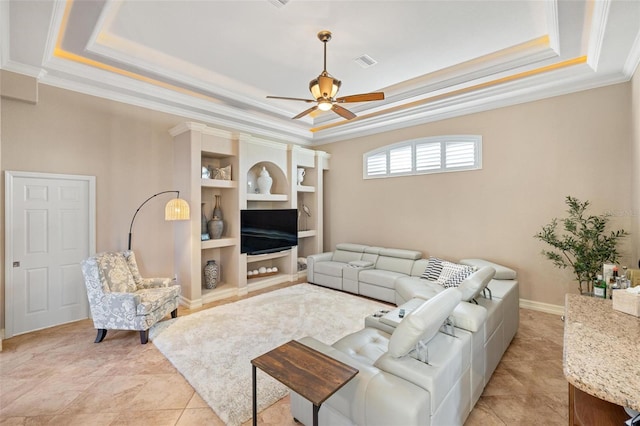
(453, 274)
(433, 269)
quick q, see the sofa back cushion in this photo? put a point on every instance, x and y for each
(397, 260)
(114, 273)
(423, 323)
(419, 266)
(346, 252)
(473, 285)
(371, 254)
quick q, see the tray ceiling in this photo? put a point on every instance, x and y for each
(216, 61)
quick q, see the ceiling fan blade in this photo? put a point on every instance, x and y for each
(290, 99)
(305, 112)
(364, 97)
(342, 112)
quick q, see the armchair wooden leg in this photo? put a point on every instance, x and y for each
(174, 313)
(101, 335)
(144, 336)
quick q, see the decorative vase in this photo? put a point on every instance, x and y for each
(211, 273)
(217, 209)
(203, 221)
(301, 173)
(215, 228)
(265, 181)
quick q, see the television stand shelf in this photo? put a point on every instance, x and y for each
(267, 256)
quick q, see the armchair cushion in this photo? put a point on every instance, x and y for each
(115, 274)
(153, 298)
(133, 266)
(423, 323)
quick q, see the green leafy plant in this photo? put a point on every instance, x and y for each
(585, 245)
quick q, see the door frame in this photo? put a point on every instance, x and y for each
(9, 235)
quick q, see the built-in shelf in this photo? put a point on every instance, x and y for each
(267, 256)
(309, 233)
(219, 183)
(220, 242)
(222, 291)
(267, 197)
(304, 188)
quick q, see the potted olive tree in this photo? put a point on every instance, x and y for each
(585, 244)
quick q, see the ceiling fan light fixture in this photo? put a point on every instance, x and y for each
(325, 105)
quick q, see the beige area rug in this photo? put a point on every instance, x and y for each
(213, 349)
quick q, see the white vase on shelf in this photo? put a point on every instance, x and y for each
(265, 181)
(301, 173)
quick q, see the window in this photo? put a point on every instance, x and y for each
(425, 155)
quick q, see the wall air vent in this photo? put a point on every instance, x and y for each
(279, 3)
(365, 61)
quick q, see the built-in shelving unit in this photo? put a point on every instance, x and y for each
(197, 146)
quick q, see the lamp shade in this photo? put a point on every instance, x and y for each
(177, 209)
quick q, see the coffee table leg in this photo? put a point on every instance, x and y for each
(255, 396)
(316, 408)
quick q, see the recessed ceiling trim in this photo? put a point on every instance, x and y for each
(553, 25)
(633, 60)
(484, 85)
(597, 31)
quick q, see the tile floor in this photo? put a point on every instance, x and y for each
(60, 377)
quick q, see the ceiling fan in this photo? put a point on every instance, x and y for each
(324, 89)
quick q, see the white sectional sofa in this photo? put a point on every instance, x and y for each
(440, 379)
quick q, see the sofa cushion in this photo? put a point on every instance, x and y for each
(379, 277)
(453, 274)
(423, 323)
(473, 285)
(409, 287)
(345, 256)
(366, 345)
(433, 269)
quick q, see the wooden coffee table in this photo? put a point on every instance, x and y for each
(310, 373)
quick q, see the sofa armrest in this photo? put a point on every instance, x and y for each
(311, 263)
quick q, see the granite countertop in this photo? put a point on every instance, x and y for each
(602, 350)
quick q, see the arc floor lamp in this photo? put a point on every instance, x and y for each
(175, 209)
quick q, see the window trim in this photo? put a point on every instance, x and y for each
(442, 140)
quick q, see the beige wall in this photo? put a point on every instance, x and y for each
(128, 149)
(534, 155)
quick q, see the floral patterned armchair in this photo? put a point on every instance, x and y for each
(120, 299)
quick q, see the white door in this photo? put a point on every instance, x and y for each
(50, 228)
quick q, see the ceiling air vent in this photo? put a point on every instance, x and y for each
(365, 61)
(279, 3)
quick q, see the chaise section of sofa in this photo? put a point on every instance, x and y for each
(440, 380)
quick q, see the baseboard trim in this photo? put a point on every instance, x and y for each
(1, 338)
(190, 304)
(542, 307)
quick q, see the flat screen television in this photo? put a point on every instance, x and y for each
(268, 231)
